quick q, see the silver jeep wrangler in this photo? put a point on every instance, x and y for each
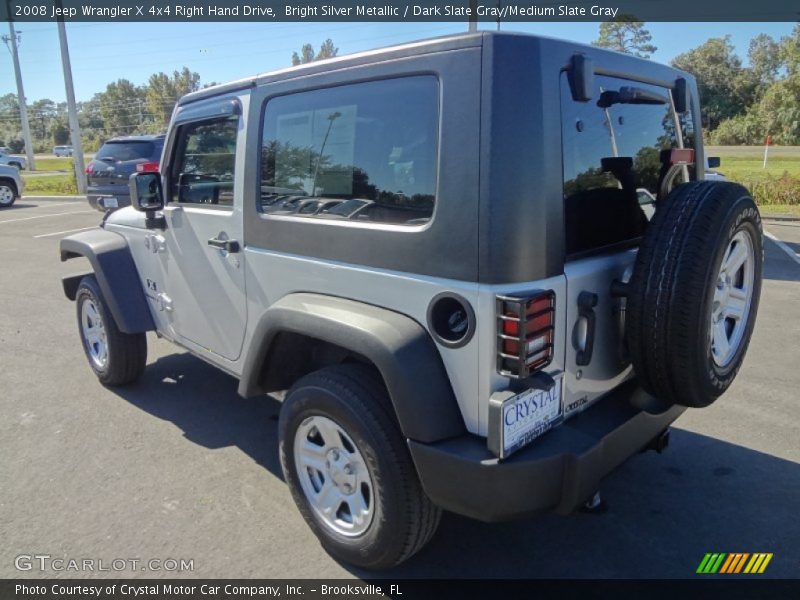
(486, 267)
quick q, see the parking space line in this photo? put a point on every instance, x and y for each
(44, 235)
(76, 212)
(792, 254)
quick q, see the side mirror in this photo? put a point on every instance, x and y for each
(146, 193)
(147, 196)
(713, 162)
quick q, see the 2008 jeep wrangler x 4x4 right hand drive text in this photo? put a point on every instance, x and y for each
(446, 252)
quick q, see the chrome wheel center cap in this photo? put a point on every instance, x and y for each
(340, 470)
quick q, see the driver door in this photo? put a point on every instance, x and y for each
(204, 278)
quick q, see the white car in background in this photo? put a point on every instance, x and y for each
(13, 161)
(11, 185)
(62, 150)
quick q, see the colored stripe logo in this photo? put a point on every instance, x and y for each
(733, 563)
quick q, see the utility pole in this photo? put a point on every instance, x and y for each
(74, 127)
(473, 17)
(11, 40)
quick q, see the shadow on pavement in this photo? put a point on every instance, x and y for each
(17, 206)
(202, 401)
(664, 511)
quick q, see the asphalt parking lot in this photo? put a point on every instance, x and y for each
(178, 466)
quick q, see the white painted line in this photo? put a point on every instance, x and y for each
(792, 254)
(44, 235)
(75, 212)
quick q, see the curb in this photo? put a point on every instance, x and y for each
(774, 217)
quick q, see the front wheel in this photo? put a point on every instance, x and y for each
(116, 358)
(349, 470)
(7, 195)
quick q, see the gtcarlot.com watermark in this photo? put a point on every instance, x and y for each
(55, 564)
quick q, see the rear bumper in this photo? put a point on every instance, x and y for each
(560, 471)
(95, 194)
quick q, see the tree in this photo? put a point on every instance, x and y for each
(120, 107)
(42, 112)
(327, 50)
(626, 34)
(164, 91)
(726, 89)
(764, 55)
(60, 131)
(790, 51)
(307, 55)
(779, 110)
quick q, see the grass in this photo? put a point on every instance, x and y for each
(776, 186)
(789, 210)
(50, 185)
(752, 166)
(54, 164)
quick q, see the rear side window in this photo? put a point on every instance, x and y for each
(612, 159)
(365, 152)
(122, 151)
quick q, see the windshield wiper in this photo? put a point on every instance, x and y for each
(630, 95)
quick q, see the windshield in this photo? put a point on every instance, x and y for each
(122, 151)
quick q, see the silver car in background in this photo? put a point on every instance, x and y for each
(18, 162)
(11, 185)
(62, 150)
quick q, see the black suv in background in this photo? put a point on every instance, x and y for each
(108, 173)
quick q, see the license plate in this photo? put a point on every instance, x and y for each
(524, 417)
(110, 202)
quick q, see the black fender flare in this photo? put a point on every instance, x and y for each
(400, 348)
(116, 274)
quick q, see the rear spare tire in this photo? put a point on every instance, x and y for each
(693, 296)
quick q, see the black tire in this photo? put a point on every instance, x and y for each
(671, 293)
(7, 186)
(126, 353)
(355, 399)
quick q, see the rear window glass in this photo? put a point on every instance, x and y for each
(361, 152)
(123, 151)
(612, 159)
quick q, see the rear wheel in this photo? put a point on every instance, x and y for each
(116, 358)
(694, 292)
(349, 470)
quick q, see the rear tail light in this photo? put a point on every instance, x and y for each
(147, 167)
(525, 326)
(89, 169)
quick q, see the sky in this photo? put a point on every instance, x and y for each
(220, 52)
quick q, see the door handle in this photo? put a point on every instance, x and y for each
(231, 246)
(586, 303)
